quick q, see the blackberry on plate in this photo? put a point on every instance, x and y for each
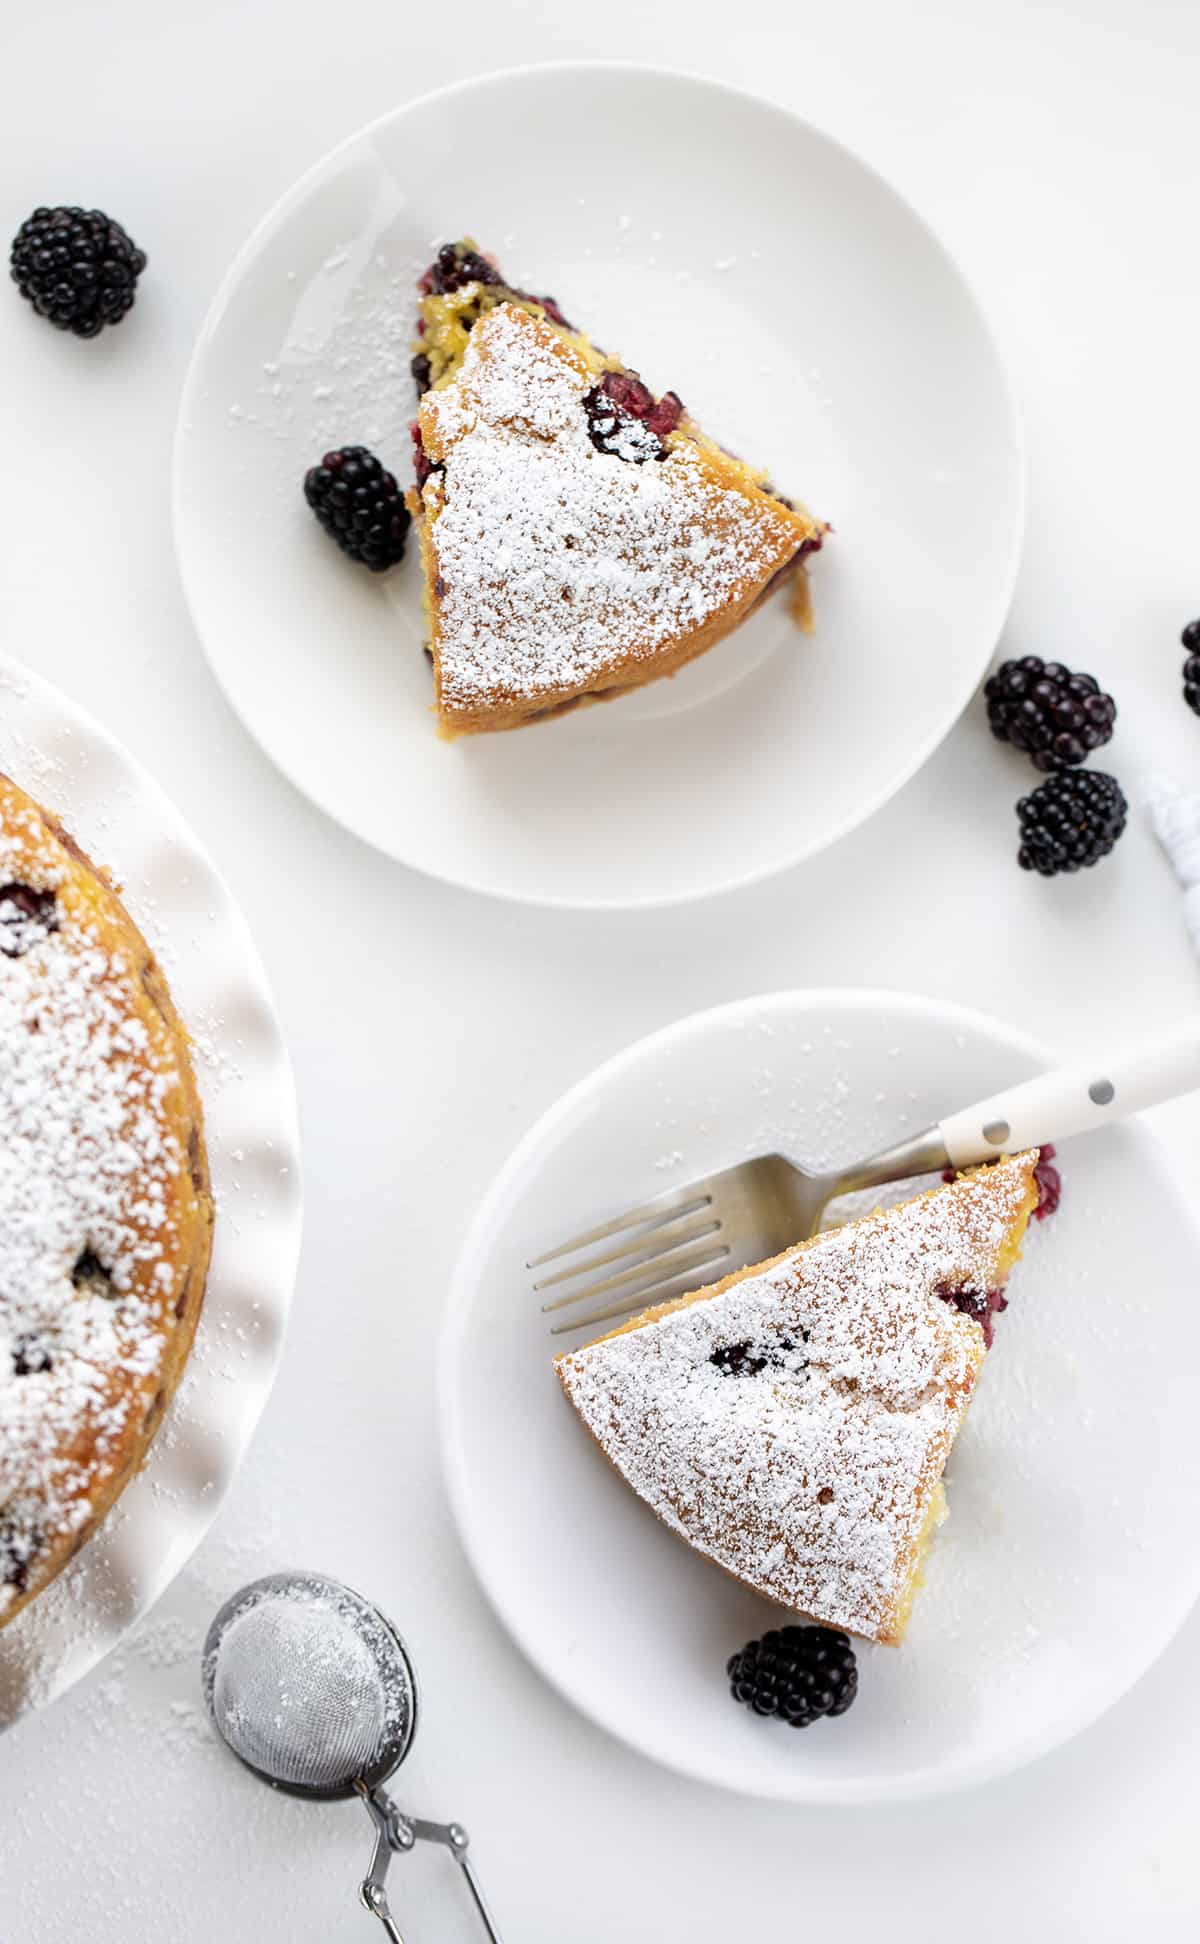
(1191, 667)
(1054, 715)
(360, 505)
(1070, 821)
(796, 1673)
(77, 267)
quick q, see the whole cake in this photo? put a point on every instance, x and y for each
(106, 1212)
(793, 1422)
(579, 536)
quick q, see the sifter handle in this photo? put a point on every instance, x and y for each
(397, 1833)
(456, 1840)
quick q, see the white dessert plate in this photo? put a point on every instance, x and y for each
(1065, 1565)
(808, 318)
(57, 753)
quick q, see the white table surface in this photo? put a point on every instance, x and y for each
(1055, 149)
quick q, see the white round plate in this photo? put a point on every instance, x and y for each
(810, 321)
(1064, 1567)
(55, 751)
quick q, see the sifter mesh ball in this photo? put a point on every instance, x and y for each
(312, 1688)
(309, 1685)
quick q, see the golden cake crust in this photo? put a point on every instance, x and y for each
(106, 1208)
(813, 1473)
(557, 573)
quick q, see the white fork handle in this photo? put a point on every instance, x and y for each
(1073, 1099)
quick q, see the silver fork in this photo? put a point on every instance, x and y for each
(693, 1235)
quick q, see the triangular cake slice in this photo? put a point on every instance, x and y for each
(579, 536)
(793, 1422)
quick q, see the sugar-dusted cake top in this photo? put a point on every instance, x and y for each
(556, 560)
(794, 1424)
(91, 1167)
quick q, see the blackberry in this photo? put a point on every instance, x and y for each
(1070, 821)
(459, 264)
(1055, 716)
(625, 418)
(77, 267)
(553, 312)
(1191, 667)
(1049, 1187)
(746, 1359)
(26, 915)
(455, 265)
(360, 505)
(30, 1354)
(91, 1275)
(1049, 1182)
(982, 1305)
(18, 1543)
(422, 464)
(796, 1673)
(738, 1360)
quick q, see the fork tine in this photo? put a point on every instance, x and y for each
(674, 1203)
(679, 1283)
(659, 1268)
(643, 1248)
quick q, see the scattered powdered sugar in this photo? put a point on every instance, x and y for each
(805, 1458)
(214, 1047)
(164, 1640)
(341, 369)
(85, 1170)
(557, 561)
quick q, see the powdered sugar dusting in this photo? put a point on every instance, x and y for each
(557, 561)
(811, 1475)
(86, 1167)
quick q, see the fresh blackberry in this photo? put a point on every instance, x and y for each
(1055, 716)
(77, 267)
(1070, 821)
(1191, 667)
(796, 1673)
(360, 505)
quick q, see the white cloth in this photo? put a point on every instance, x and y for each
(1176, 820)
